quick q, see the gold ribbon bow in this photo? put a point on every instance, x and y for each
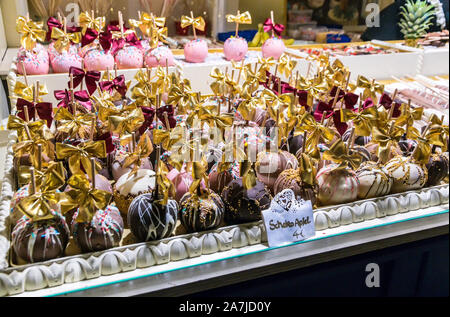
(87, 199)
(315, 87)
(79, 156)
(31, 148)
(198, 23)
(143, 149)
(316, 131)
(422, 152)
(167, 138)
(266, 63)
(42, 204)
(181, 94)
(363, 121)
(208, 114)
(338, 153)
(241, 18)
(253, 79)
(127, 122)
(26, 92)
(87, 21)
(286, 65)
(148, 24)
(31, 32)
(218, 85)
(387, 139)
(199, 174)
(52, 172)
(166, 188)
(371, 88)
(247, 173)
(407, 118)
(438, 133)
(63, 40)
(277, 104)
(247, 108)
(182, 150)
(307, 169)
(162, 80)
(36, 128)
(75, 125)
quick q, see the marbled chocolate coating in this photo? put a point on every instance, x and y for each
(201, 213)
(103, 232)
(40, 241)
(245, 205)
(150, 220)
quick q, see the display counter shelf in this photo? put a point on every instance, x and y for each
(239, 265)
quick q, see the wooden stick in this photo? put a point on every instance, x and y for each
(347, 81)
(133, 140)
(352, 138)
(158, 154)
(39, 157)
(308, 70)
(237, 25)
(273, 22)
(166, 119)
(33, 181)
(24, 72)
(391, 110)
(93, 172)
(27, 117)
(120, 23)
(338, 90)
(193, 27)
(72, 95)
(35, 100)
(91, 137)
(240, 71)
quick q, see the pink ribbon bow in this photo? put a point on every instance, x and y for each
(269, 26)
(90, 78)
(43, 109)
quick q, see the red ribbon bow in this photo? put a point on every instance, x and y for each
(286, 89)
(149, 116)
(81, 96)
(90, 36)
(117, 83)
(43, 109)
(107, 137)
(90, 78)
(387, 103)
(277, 28)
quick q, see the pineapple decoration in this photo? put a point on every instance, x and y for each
(416, 16)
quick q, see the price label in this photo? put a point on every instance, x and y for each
(288, 220)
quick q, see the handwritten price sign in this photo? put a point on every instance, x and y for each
(288, 220)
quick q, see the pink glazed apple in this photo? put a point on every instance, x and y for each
(98, 60)
(158, 56)
(35, 62)
(196, 51)
(235, 49)
(129, 57)
(273, 47)
(61, 63)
